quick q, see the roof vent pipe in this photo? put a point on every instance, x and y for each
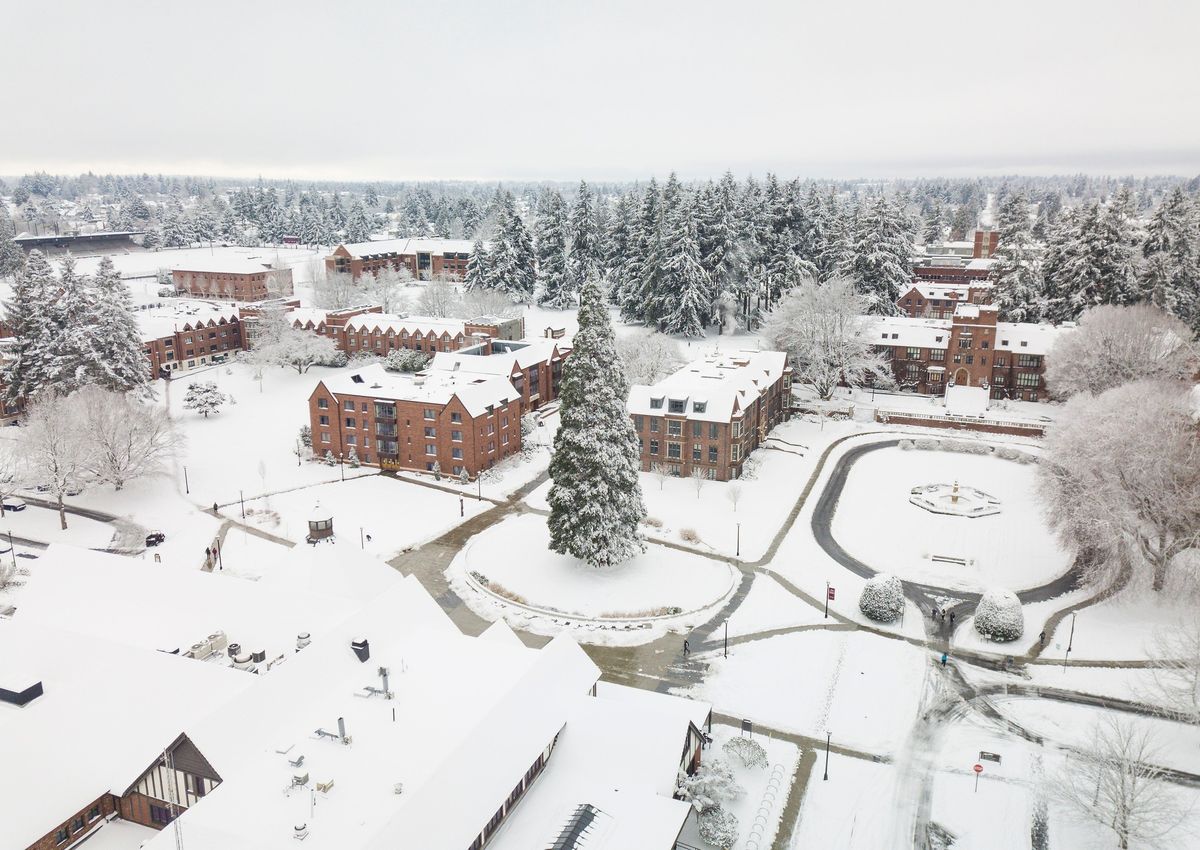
(361, 648)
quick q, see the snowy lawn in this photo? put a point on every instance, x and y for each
(1036, 615)
(769, 606)
(1122, 627)
(396, 514)
(515, 558)
(42, 524)
(766, 790)
(248, 446)
(248, 556)
(864, 689)
(849, 811)
(876, 523)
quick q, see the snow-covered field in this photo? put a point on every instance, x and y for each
(844, 812)
(877, 524)
(821, 681)
(42, 524)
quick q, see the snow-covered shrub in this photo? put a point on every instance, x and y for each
(689, 535)
(437, 471)
(709, 785)
(330, 460)
(406, 360)
(463, 477)
(362, 358)
(1009, 453)
(966, 447)
(882, 598)
(747, 750)
(306, 436)
(166, 292)
(352, 459)
(906, 444)
(719, 827)
(999, 615)
(204, 398)
(652, 521)
(927, 444)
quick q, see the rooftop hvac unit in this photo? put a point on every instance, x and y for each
(218, 641)
(300, 832)
(202, 649)
(302, 640)
(234, 649)
(241, 660)
(258, 656)
(300, 778)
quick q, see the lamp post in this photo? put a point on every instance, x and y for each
(186, 488)
(298, 451)
(1070, 642)
(12, 550)
(726, 638)
(341, 466)
(242, 500)
(826, 600)
(828, 735)
(738, 550)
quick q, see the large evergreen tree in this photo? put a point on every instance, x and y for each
(116, 339)
(882, 252)
(596, 498)
(479, 272)
(1170, 271)
(1017, 292)
(11, 255)
(551, 228)
(686, 299)
(583, 259)
(27, 314)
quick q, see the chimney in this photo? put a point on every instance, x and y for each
(342, 729)
(361, 648)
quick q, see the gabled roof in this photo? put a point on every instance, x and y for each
(713, 388)
(434, 386)
(407, 246)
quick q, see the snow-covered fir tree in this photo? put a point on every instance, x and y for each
(512, 258)
(643, 244)
(358, 228)
(686, 293)
(479, 271)
(120, 364)
(583, 257)
(596, 496)
(11, 255)
(1016, 272)
(882, 248)
(175, 231)
(204, 398)
(1170, 270)
(27, 314)
(74, 357)
(551, 229)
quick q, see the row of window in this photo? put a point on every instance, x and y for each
(675, 451)
(78, 824)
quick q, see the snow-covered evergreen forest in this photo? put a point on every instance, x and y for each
(685, 255)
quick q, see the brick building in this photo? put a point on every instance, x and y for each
(232, 279)
(412, 421)
(984, 243)
(383, 332)
(969, 349)
(712, 413)
(534, 367)
(939, 300)
(425, 259)
(187, 334)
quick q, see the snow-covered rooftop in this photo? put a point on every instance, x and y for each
(424, 325)
(476, 392)
(721, 384)
(520, 355)
(966, 401)
(162, 321)
(224, 265)
(1022, 338)
(408, 246)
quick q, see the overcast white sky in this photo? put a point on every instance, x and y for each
(615, 89)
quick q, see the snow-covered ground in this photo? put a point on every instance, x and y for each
(877, 524)
(42, 524)
(1122, 627)
(769, 605)
(821, 681)
(844, 812)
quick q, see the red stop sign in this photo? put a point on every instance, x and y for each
(978, 768)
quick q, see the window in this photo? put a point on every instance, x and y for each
(985, 343)
(656, 404)
(1028, 379)
(735, 453)
(430, 413)
(93, 812)
(912, 353)
(895, 336)
(348, 405)
(937, 354)
(160, 814)
(1004, 343)
(456, 453)
(491, 445)
(674, 428)
(677, 406)
(913, 372)
(675, 450)
(737, 430)
(431, 449)
(351, 440)
(1024, 343)
(63, 835)
(322, 419)
(78, 824)
(324, 436)
(998, 379)
(654, 447)
(697, 427)
(363, 408)
(1001, 361)
(712, 430)
(455, 417)
(350, 422)
(323, 403)
(430, 433)
(504, 439)
(964, 342)
(456, 436)
(637, 423)
(653, 424)
(697, 452)
(1028, 361)
(699, 406)
(970, 359)
(712, 454)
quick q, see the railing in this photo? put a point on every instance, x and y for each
(883, 416)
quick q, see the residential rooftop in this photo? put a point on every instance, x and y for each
(713, 388)
(476, 392)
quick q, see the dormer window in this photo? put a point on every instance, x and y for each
(699, 406)
(656, 403)
(677, 406)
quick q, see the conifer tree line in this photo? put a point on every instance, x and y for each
(72, 330)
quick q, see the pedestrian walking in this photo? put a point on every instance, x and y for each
(214, 507)
(944, 656)
(943, 615)
(951, 619)
(687, 647)
(208, 553)
(1042, 639)
(933, 613)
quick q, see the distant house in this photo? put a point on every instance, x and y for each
(188, 334)
(232, 279)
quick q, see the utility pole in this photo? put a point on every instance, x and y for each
(738, 551)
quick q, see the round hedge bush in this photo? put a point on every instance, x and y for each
(999, 615)
(882, 598)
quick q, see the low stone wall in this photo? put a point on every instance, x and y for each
(961, 423)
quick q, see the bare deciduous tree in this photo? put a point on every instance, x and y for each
(1176, 678)
(734, 493)
(1122, 470)
(1117, 345)
(485, 302)
(129, 439)
(648, 357)
(437, 299)
(1116, 782)
(387, 288)
(55, 449)
(699, 478)
(334, 290)
(820, 326)
(660, 471)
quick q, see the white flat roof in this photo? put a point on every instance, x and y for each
(722, 382)
(159, 322)
(408, 246)
(224, 265)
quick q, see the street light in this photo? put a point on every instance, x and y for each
(12, 550)
(828, 735)
(186, 489)
(242, 500)
(1070, 642)
(727, 638)
(738, 552)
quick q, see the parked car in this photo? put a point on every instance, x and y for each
(73, 490)
(154, 538)
(13, 503)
